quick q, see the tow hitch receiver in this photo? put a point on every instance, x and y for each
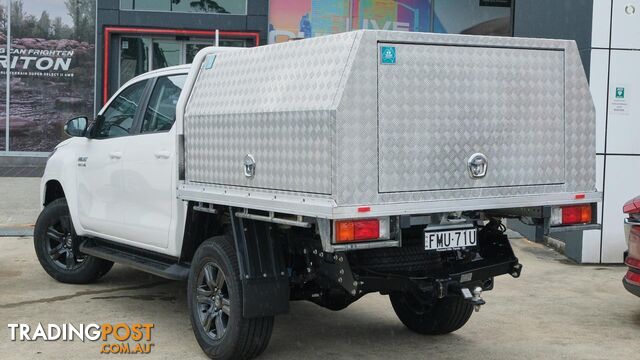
(475, 298)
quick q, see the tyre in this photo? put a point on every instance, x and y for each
(431, 316)
(214, 296)
(56, 245)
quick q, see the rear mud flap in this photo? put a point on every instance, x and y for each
(265, 282)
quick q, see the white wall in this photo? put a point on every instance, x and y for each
(615, 63)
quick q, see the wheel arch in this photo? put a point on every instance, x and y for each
(200, 226)
(52, 190)
(265, 280)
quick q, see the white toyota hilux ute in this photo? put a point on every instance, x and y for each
(323, 170)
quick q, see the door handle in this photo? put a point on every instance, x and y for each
(115, 155)
(163, 154)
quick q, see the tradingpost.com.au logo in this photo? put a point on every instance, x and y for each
(118, 338)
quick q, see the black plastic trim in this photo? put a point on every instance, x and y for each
(265, 280)
(147, 261)
(634, 289)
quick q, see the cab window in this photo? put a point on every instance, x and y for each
(161, 111)
(120, 115)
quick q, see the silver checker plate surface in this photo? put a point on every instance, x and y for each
(440, 104)
(308, 112)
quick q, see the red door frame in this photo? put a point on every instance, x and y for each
(109, 30)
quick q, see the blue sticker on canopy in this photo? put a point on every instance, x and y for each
(388, 55)
(208, 61)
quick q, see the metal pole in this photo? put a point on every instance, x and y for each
(217, 37)
(8, 69)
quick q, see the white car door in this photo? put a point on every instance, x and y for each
(149, 167)
(100, 181)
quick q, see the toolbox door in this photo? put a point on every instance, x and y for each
(446, 113)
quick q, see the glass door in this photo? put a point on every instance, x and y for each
(134, 57)
(166, 53)
(139, 54)
(192, 48)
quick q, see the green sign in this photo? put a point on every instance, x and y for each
(388, 55)
(619, 93)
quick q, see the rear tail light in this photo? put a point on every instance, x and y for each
(632, 229)
(361, 230)
(571, 215)
(632, 206)
(633, 278)
(632, 263)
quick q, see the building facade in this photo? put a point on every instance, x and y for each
(66, 57)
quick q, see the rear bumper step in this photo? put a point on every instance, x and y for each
(145, 262)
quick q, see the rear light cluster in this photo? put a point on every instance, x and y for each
(571, 215)
(633, 278)
(632, 230)
(348, 231)
(632, 206)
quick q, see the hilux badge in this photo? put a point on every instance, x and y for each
(477, 166)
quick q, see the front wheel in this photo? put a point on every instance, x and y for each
(215, 304)
(56, 245)
(430, 316)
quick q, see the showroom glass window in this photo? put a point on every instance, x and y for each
(234, 7)
(473, 17)
(296, 19)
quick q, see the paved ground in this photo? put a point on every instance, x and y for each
(22, 171)
(556, 310)
(19, 206)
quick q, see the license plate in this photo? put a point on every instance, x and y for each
(442, 240)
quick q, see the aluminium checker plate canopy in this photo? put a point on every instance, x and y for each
(388, 120)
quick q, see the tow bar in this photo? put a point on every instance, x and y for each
(475, 298)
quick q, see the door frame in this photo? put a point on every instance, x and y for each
(119, 30)
(183, 46)
(151, 39)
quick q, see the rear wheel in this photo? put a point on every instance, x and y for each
(56, 245)
(426, 315)
(215, 304)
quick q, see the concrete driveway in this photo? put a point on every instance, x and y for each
(556, 310)
(20, 204)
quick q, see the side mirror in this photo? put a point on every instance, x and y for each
(76, 127)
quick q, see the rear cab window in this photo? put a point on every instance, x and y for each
(160, 113)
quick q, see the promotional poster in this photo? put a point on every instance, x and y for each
(299, 19)
(51, 69)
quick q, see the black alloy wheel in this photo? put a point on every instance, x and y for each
(214, 306)
(57, 247)
(214, 296)
(62, 244)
